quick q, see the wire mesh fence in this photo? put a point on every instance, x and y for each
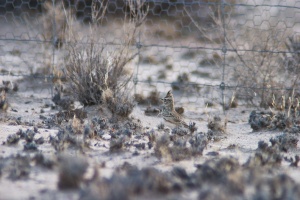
(208, 52)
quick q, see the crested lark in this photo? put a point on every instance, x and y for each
(3, 101)
(168, 111)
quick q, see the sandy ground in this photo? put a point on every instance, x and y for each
(31, 108)
(42, 183)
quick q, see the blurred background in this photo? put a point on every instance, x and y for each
(211, 53)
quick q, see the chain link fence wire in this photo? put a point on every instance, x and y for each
(209, 52)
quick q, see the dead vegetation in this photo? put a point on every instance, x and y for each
(265, 156)
(285, 142)
(179, 147)
(99, 73)
(262, 57)
(48, 34)
(221, 174)
(31, 142)
(216, 129)
(106, 141)
(274, 120)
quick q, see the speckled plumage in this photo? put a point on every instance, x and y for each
(3, 101)
(168, 111)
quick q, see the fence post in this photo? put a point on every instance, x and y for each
(53, 45)
(138, 46)
(224, 51)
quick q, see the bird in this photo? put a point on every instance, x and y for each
(3, 101)
(169, 113)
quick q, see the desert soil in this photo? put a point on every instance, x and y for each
(24, 176)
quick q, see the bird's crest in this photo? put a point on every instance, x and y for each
(169, 95)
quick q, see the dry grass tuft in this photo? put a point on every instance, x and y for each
(99, 73)
(60, 23)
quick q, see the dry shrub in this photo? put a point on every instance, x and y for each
(98, 72)
(262, 72)
(51, 31)
(259, 68)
